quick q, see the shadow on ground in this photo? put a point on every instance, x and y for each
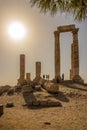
(73, 86)
(60, 96)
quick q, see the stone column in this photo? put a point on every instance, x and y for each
(57, 55)
(38, 71)
(75, 60)
(75, 52)
(28, 78)
(22, 66)
(21, 80)
(72, 62)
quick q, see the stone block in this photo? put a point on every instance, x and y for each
(54, 103)
(66, 28)
(43, 103)
(30, 103)
(36, 103)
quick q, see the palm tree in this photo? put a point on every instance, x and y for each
(77, 7)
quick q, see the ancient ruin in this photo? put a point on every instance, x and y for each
(21, 79)
(38, 71)
(74, 71)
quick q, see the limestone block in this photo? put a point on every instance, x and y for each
(27, 89)
(36, 103)
(43, 103)
(66, 28)
(54, 103)
(51, 87)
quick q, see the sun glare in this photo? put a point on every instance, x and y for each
(16, 31)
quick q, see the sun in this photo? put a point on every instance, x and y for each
(16, 30)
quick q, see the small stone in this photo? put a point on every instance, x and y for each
(47, 123)
(10, 104)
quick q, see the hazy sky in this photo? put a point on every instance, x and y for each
(38, 45)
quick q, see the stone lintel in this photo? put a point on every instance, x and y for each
(66, 28)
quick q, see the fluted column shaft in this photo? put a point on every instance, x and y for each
(57, 54)
(75, 55)
(22, 66)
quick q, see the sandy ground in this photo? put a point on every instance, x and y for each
(71, 116)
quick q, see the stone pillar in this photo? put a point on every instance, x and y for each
(21, 80)
(75, 56)
(76, 52)
(57, 55)
(28, 78)
(38, 71)
(72, 62)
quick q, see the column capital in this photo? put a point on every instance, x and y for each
(56, 33)
(75, 31)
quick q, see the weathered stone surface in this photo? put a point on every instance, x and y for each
(78, 79)
(27, 89)
(4, 89)
(38, 71)
(21, 80)
(51, 87)
(74, 52)
(10, 91)
(28, 78)
(57, 55)
(43, 103)
(38, 88)
(54, 103)
(36, 103)
(66, 28)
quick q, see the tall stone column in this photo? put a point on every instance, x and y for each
(38, 71)
(57, 55)
(75, 59)
(22, 66)
(21, 80)
(72, 61)
(76, 52)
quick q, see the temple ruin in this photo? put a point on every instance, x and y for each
(74, 71)
(21, 79)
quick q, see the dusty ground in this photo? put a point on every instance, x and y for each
(71, 116)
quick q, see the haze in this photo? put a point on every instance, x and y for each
(38, 45)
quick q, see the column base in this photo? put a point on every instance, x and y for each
(28, 81)
(21, 82)
(77, 79)
(37, 79)
(57, 79)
